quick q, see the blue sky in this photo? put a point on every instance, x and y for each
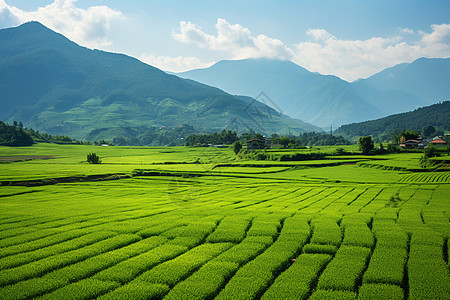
(350, 39)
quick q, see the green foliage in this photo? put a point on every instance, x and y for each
(365, 144)
(296, 281)
(137, 290)
(430, 151)
(205, 283)
(358, 235)
(13, 135)
(236, 146)
(129, 269)
(345, 269)
(230, 229)
(225, 137)
(405, 135)
(84, 289)
(93, 158)
(428, 273)
(326, 232)
(317, 248)
(23, 255)
(177, 269)
(308, 139)
(389, 127)
(332, 295)
(128, 239)
(301, 156)
(381, 292)
(387, 265)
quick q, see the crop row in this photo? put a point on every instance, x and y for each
(344, 271)
(231, 229)
(253, 278)
(428, 273)
(128, 247)
(296, 281)
(386, 265)
(42, 266)
(179, 268)
(128, 269)
(28, 257)
(435, 177)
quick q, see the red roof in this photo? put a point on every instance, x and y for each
(438, 141)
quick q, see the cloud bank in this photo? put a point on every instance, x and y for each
(323, 52)
(89, 27)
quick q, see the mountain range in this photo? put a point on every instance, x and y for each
(326, 100)
(52, 84)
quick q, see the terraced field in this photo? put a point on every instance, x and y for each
(335, 232)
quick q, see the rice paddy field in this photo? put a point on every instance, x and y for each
(196, 223)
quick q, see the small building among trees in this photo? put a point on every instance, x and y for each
(438, 143)
(414, 144)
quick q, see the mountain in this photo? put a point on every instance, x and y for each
(425, 79)
(318, 99)
(328, 100)
(436, 115)
(52, 84)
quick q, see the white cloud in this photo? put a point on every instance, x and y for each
(233, 38)
(320, 35)
(89, 27)
(353, 59)
(174, 64)
(323, 52)
(439, 35)
(406, 30)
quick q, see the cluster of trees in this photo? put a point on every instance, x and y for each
(14, 135)
(228, 137)
(18, 135)
(309, 139)
(160, 136)
(429, 121)
(225, 137)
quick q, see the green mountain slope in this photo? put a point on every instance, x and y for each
(54, 85)
(436, 115)
(318, 99)
(328, 100)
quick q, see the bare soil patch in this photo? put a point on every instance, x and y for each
(15, 158)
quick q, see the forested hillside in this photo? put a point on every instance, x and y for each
(437, 115)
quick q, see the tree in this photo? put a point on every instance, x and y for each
(237, 146)
(93, 158)
(428, 131)
(365, 144)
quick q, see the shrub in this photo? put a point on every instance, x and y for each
(93, 158)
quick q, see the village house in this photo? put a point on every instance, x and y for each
(414, 144)
(438, 143)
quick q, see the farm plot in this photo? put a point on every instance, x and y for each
(238, 238)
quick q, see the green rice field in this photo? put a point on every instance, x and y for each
(197, 223)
